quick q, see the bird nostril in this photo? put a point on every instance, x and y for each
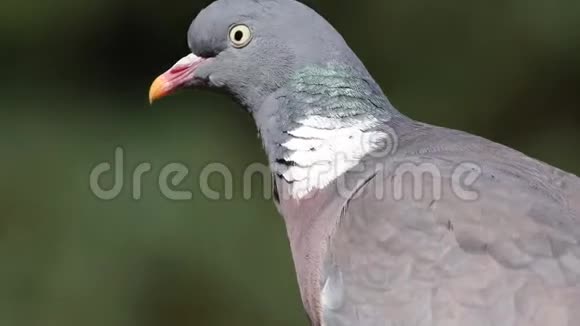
(178, 69)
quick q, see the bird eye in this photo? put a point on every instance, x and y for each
(240, 35)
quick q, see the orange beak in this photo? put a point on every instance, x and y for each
(180, 76)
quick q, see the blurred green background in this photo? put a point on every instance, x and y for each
(75, 76)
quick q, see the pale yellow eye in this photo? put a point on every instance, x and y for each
(240, 35)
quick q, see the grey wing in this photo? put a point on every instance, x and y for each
(510, 257)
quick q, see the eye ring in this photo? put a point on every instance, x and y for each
(240, 35)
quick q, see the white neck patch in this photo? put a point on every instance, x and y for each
(317, 155)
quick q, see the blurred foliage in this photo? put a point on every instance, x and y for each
(75, 78)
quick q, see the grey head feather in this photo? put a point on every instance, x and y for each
(288, 36)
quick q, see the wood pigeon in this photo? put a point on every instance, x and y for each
(391, 222)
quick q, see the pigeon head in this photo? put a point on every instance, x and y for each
(316, 107)
(250, 48)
